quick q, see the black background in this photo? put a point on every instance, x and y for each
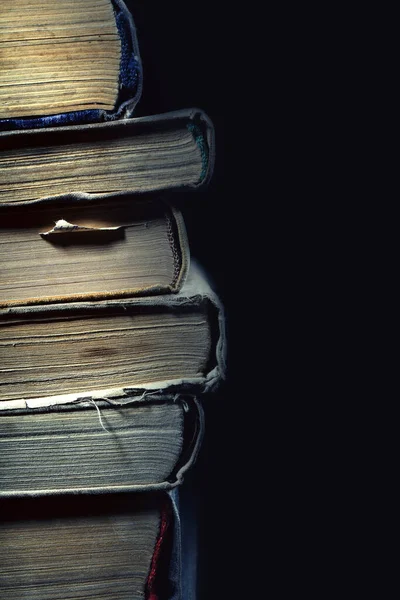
(189, 60)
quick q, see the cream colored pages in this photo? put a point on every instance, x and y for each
(72, 352)
(196, 361)
(57, 56)
(109, 160)
(89, 252)
(87, 547)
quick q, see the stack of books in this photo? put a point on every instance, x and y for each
(110, 334)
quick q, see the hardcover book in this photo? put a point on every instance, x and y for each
(79, 250)
(108, 445)
(103, 547)
(170, 151)
(65, 62)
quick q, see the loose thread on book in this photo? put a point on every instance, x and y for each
(99, 413)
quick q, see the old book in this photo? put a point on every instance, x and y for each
(103, 547)
(64, 62)
(145, 343)
(59, 252)
(146, 154)
(97, 447)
